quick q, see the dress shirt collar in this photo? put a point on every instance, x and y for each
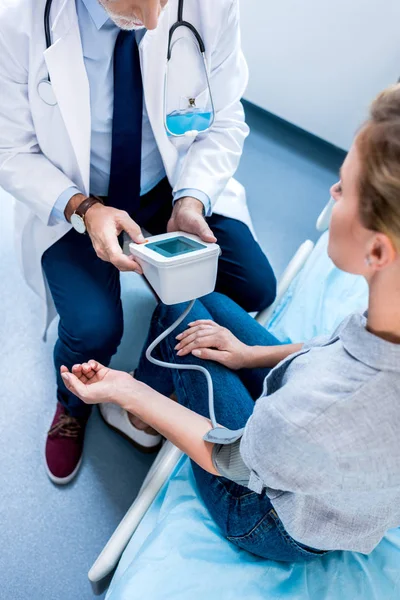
(98, 14)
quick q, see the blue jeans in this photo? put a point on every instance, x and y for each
(245, 518)
(87, 294)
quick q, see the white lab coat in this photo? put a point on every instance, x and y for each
(45, 149)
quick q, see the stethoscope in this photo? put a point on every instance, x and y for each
(191, 101)
(181, 23)
(45, 88)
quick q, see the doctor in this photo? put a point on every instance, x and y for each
(89, 147)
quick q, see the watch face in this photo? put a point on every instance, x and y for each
(78, 223)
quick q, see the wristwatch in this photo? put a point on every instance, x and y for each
(78, 216)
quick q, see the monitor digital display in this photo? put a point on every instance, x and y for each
(175, 246)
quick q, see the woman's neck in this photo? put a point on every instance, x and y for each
(384, 307)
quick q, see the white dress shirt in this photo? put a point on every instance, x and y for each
(98, 35)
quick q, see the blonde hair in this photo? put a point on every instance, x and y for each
(378, 144)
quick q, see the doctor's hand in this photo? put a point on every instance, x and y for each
(187, 215)
(104, 224)
(205, 339)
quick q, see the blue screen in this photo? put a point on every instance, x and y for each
(175, 246)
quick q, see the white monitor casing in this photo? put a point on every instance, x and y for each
(181, 277)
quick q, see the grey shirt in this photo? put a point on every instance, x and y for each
(323, 441)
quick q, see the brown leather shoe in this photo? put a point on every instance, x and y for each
(64, 446)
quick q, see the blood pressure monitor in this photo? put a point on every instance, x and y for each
(179, 266)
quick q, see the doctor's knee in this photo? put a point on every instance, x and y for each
(96, 334)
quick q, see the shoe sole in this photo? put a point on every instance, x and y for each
(63, 480)
(143, 449)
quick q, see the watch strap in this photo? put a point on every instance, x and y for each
(86, 204)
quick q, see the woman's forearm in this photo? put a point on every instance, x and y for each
(259, 357)
(181, 426)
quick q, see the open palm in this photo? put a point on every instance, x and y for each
(94, 383)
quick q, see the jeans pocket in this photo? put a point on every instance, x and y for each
(255, 537)
(269, 539)
(302, 550)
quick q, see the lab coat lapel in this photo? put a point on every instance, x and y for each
(64, 60)
(153, 57)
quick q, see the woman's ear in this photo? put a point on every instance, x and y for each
(382, 252)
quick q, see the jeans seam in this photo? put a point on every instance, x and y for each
(160, 321)
(246, 495)
(239, 538)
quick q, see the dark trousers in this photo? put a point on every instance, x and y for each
(87, 293)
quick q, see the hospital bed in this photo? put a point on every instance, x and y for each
(168, 547)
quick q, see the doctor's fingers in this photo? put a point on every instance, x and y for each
(108, 249)
(205, 233)
(130, 226)
(200, 227)
(186, 219)
(125, 263)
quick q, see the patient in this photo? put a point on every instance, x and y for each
(317, 468)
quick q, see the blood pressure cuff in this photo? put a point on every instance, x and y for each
(229, 463)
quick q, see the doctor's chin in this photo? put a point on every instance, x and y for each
(200, 290)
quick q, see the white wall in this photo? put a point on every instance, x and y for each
(319, 63)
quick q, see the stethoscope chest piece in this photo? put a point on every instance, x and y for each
(46, 92)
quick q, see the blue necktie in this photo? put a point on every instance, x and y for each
(124, 185)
